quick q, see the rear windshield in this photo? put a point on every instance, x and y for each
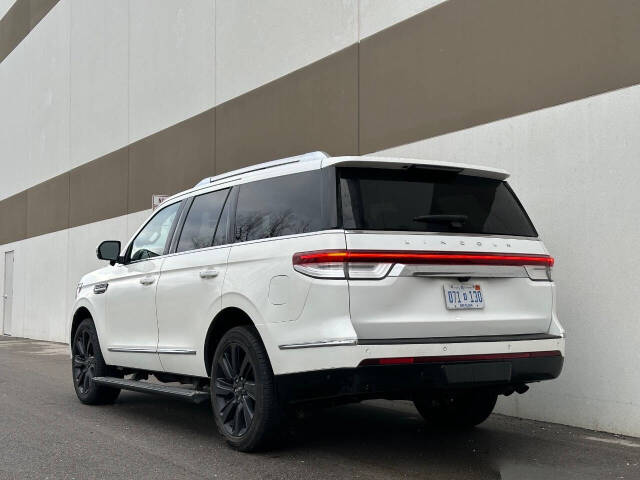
(423, 200)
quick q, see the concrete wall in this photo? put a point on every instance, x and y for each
(134, 85)
(575, 168)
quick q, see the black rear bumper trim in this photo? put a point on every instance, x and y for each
(403, 381)
(463, 339)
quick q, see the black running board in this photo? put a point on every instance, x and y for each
(194, 396)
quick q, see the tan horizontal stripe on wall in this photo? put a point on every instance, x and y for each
(314, 108)
(99, 189)
(19, 20)
(13, 218)
(465, 63)
(451, 67)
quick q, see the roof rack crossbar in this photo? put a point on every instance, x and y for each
(263, 166)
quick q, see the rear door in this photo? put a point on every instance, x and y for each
(453, 248)
(190, 284)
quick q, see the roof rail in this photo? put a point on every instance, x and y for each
(263, 166)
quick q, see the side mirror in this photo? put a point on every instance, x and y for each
(109, 250)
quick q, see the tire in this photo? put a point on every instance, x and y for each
(243, 396)
(459, 410)
(86, 363)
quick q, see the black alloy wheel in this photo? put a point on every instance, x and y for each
(235, 390)
(246, 408)
(84, 362)
(87, 363)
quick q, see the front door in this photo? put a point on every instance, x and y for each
(132, 327)
(7, 297)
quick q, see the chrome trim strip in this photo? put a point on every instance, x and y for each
(324, 343)
(176, 351)
(475, 271)
(132, 349)
(164, 350)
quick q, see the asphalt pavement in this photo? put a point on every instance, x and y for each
(45, 432)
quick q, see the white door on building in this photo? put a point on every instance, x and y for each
(7, 297)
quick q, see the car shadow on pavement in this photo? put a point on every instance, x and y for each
(391, 436)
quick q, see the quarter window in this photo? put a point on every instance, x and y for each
(279, 206)
(152, 239)
(201, 222)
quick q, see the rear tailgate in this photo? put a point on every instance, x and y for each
(410, 301)
(470, 237)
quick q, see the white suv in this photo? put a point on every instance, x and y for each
(318, 278)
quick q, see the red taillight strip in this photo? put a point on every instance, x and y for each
(459, 358)
(413, 257)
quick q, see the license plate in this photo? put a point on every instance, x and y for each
(479, 372)
(463, 296)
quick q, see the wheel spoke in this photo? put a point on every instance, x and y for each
(78, 361)
(245, 367)
(226, 410)
(250, 387)
(234, 358)
(236, 420)
(80, 347)
(226, 367)
(85, 342)
(85, 383)
(80, 376)
(247, 411)
(222, 387)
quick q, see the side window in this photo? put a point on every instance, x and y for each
(279, 206)
(152, 239)
(202, 219)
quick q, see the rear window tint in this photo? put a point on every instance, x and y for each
(279, 206)
(422, 200)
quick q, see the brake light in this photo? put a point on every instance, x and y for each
(367, 264)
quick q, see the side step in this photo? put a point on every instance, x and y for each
(195, 396)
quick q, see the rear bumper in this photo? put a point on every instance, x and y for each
(297, 360)
(402, 381)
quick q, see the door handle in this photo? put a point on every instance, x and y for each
(147, 280)
(5, 296)
(208, 273)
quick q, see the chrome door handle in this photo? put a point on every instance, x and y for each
(5, 297)
(147, 280)
(208, 273)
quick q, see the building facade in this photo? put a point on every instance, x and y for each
(105, 103)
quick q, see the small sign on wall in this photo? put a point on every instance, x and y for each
(156, 200)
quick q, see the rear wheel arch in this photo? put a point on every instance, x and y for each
(224, 321)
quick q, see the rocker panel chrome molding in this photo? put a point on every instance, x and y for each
(163, 350)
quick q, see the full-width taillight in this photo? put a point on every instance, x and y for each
(368, 264)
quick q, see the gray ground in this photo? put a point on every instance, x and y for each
(46, 433)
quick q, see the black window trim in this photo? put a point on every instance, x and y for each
(127, 255)
(232, 200)
(185, 212)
